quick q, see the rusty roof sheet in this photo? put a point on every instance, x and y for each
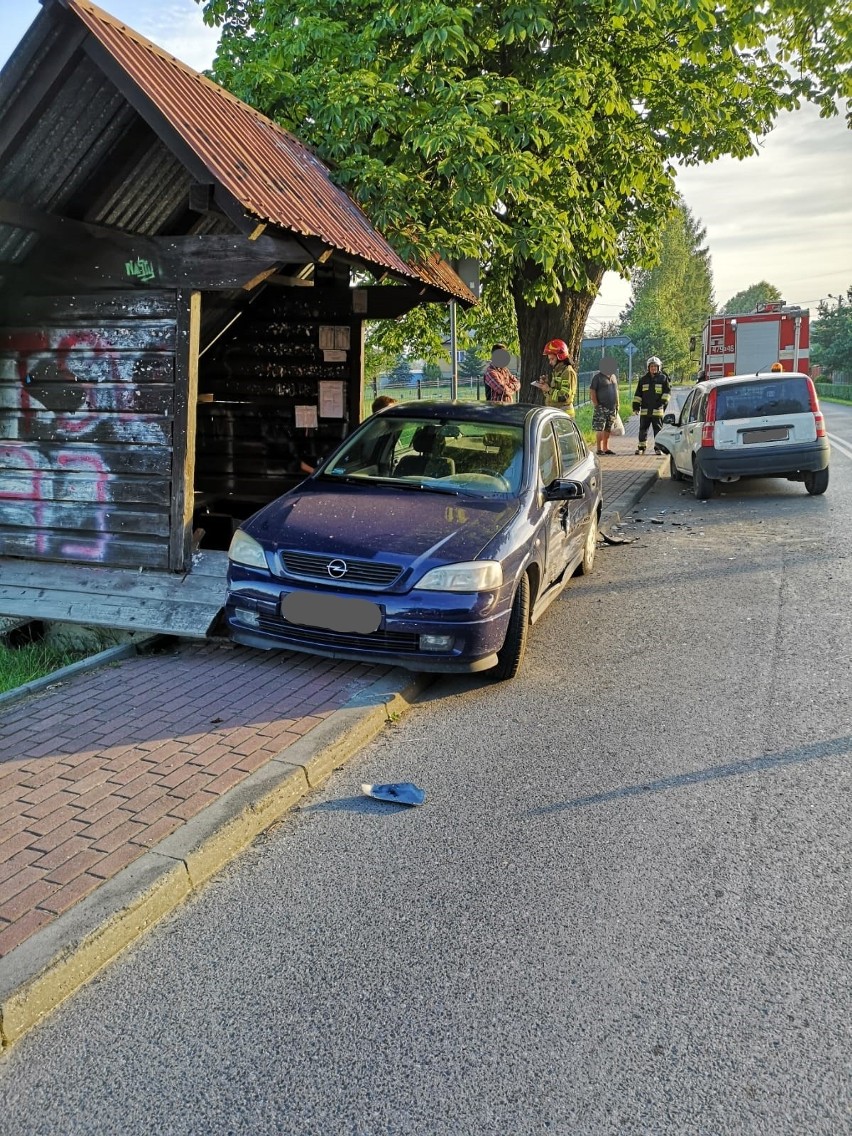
(274, 176)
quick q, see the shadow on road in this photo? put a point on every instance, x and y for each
(841, 747)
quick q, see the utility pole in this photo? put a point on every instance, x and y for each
(454, 354)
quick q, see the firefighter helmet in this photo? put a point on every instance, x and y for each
(557, 347)
(654, 359)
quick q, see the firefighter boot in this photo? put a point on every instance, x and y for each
(640, 449)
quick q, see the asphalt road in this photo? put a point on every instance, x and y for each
(624, 907)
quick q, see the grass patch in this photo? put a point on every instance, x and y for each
(20, 665)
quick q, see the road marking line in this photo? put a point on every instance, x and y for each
(841, 445)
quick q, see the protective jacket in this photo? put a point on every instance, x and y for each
(563, 387)
(652, 393)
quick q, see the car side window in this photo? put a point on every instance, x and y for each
(548, 458)
(571, 449)
(696, 411)
(684, 410)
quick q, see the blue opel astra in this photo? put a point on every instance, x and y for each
(432, 538)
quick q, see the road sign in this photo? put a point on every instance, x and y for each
(631, 349)
(604, 341)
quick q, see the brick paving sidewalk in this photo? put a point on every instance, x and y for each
(100, 768)
(628, 474)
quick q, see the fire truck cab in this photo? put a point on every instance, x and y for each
(752, 341)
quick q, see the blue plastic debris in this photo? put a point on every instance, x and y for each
(402, 793)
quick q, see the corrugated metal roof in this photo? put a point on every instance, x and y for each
(270, 172)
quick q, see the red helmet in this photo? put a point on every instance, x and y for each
(557, 347)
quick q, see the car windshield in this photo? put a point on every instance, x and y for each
(763, 397)
(442, 455)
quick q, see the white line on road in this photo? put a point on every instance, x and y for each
(840, 444)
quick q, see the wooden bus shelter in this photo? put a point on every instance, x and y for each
(183, 293)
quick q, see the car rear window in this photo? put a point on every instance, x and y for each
(763, 397)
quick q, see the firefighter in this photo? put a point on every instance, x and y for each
(651, 399)
(560, 386)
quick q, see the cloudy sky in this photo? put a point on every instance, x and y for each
(784, 215)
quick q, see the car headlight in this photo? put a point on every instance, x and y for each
(246, 550)
(476, 576)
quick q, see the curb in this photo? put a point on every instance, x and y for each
(44, 971)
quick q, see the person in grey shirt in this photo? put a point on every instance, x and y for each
(603, 391)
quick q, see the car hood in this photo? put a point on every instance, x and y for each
(376, 521)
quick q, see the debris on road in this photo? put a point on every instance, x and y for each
(616, 537)
(402, 793)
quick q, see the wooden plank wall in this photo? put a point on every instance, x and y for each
(87, 396)
(248, 447)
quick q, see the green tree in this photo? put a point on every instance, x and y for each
(471, 366)
(831, 335)
(671, 301)
(432, 374)
(400, 374)
(539, 138)
(746, 301)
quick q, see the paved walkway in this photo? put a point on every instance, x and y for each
(124, 788)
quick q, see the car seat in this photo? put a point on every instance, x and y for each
(429, 461)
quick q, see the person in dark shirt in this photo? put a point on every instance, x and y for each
(603, 392)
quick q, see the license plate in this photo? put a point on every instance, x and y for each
(769, 434)
(332, 613)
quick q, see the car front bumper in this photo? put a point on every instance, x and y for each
(477, 623)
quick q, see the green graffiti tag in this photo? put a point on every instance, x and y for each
(143, 270)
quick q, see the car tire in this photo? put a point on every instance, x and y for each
(590, 547)
(816, 482)
(674, 472)
(702, 485)
(511, 654)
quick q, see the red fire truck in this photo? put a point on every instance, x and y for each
(739, 344)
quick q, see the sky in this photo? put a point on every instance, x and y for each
(784, 215)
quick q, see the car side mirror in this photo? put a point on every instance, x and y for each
(563, 489)
(668, 420)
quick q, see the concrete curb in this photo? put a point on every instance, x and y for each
(41, 973)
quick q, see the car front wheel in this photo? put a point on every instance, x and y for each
(674, 472)
(817, 482)
(702, 485)
(511, 654)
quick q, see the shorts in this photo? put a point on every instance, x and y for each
(602, 418)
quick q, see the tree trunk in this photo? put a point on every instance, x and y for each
(539, 323)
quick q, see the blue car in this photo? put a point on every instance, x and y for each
(432, 538)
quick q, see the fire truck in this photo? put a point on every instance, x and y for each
(739, 344)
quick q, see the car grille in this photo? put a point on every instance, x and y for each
(379, 641)
(367, 572)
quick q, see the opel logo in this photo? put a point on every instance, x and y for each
(337, 568)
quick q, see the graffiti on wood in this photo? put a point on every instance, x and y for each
(71, 399)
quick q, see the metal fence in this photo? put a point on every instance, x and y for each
(470, 390)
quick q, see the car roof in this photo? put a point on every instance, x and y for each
(731, 380)
(504, 413)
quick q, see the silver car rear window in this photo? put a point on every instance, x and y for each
(762, 398)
